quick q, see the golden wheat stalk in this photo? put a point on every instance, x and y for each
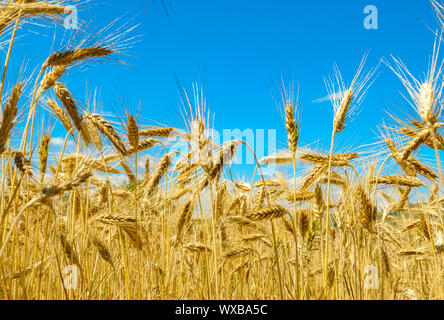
(93, 164)
(50, 78)
(238, 253)
(8, 116)
(133, 132)
(60, 114)
(69, 103)
(157, 132)
(185, 217)
(66, 58)
(103, 250)
(13, 10)
(337, 160)
(303, 220)
(316, 172)
(23, 164)
(405, 181)
(341, 112)
(292, 128)
(197, 247)
(272, 212)
(129, 173)
(43, 155)
(366, 208)
(160, 171)
(107, 130)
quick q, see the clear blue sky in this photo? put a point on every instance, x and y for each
(238, 49)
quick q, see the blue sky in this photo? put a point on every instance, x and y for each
(238, 50)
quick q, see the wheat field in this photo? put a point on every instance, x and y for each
(336, 226)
